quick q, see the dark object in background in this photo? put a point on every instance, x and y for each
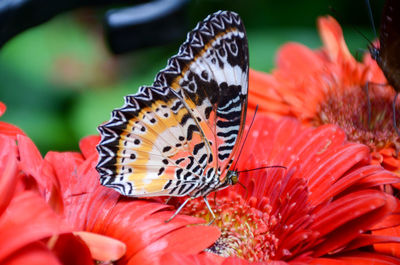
(153, 23)
(17, 16)
(388, 54)
(145, 25)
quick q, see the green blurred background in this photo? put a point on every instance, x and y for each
(59, 80)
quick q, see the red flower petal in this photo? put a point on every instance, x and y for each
(258, 81)
(28, 218)
(327, 261)
(8, 170)
(366, 258)
(36, 253)
(192, 240)
(88, 145)
(373, 176)
(349, 216)
(368, 240)
(2, 108)
(55, 197)
(65, 167)
(297, 60)
(188, 240)
(10, 130)
(71, 250)
(391, 163)
(258, 95)
(136, 224)
(238, 261)
(321, 175)
(389, 221)
(332, 37)
(31, 161)
(392, 248)
(102, 248)
(203, 259)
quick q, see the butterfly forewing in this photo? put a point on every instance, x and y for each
(215, 83)
(179, 136)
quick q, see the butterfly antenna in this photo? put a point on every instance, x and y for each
(354, 28)
(366, 87)
(248, 170)
(371, 17)
(245, 138)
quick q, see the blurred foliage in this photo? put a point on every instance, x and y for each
(59, 81)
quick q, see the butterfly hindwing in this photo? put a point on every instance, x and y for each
(142, 143)
(179, 136)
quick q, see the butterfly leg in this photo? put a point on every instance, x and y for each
(179, 209)
(215, 198)
(167, 201)
(209, 208)
(368, 104)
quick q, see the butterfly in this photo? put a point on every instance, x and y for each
(180, 136)
(387, 55)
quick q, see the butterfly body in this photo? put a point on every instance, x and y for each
(179, 136)
(387, 55)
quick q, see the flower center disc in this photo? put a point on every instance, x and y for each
(348, 108)
(245, 230)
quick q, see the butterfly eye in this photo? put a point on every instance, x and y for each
(374, 52)
(235, 178)
(232, 177)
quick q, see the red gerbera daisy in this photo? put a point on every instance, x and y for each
(27, 223)
(320, 210)
(30, 230)
(329, 86)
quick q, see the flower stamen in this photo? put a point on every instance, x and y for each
(246, 232)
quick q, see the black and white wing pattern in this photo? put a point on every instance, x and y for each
(179, 136)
